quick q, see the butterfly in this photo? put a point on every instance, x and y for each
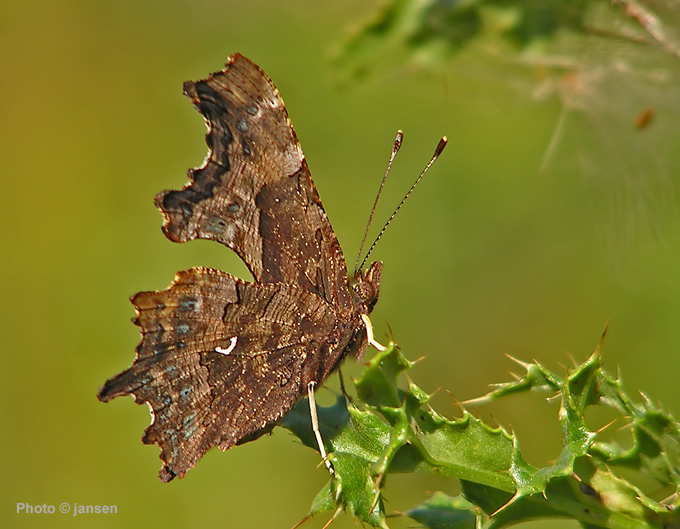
(222, 359)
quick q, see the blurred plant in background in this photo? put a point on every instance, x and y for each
(613, 67)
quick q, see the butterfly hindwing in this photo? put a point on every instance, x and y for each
(214, 348)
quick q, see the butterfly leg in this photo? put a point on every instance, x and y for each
(369, 334)
(315, 427)
(342, 384)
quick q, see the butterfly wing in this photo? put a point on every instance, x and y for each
(254, 192)
(221, 360)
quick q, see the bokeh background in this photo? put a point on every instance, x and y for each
(553, 210)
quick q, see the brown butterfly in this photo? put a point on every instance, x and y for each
(222, 360)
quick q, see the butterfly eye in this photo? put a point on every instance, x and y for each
(365, 291)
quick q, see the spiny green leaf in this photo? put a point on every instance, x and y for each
(354, 439)
(537, 378)
(395, 432)
(422, 440)
(392, 429)
(378, 384)
(443, 512)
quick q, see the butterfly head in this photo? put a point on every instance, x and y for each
(366, 285)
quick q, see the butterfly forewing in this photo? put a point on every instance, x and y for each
(254, 192)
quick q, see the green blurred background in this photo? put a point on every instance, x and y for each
(549, 214)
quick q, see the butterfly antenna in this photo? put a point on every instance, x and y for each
(440, 147)
(395, 150)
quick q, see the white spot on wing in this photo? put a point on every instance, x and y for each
(228, 350)
(153, 415)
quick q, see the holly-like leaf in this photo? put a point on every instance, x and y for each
(392, 429)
